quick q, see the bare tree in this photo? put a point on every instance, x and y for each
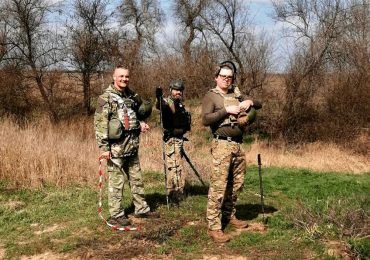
(316, 26)
(348, 95)
(228, 23)
(29, 42)
(141, 20)
(329, 68)
(15, 94)
(91, 42)
(189, 15)
(353, 48)
(2, 41)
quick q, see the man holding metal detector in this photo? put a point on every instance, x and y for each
(227, 112)
(119, 121)
(175, 121)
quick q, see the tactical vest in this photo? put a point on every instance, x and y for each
(125, 112)
(230, 99)
(123, 127)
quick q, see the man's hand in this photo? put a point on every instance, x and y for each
(158, 92)
(245, 105)
(105, 155)
(234, 110)
(144, 126)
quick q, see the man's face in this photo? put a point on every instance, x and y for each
(224, 78)
(121, 78)
(177, 94)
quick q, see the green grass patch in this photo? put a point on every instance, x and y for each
(302, 208)
(361, 247)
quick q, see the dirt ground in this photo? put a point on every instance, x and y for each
(138, 245)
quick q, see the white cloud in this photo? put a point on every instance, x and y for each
(260, 1)
(54, 1)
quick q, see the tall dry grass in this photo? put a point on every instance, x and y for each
(41, 153)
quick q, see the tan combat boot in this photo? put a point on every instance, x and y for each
(218, 236)
(238, 223)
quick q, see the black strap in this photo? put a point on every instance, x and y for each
(230, 139)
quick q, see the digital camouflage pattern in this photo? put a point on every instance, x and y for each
(112, 105)
(226, 181)
(175, 174)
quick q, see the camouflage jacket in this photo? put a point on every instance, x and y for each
(108, 109)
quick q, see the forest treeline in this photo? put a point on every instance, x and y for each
(56, 58)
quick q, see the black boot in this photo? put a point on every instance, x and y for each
(120, 221)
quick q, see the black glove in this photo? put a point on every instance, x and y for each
(257, 105)
(158, 92)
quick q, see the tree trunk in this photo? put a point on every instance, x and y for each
(86, 90)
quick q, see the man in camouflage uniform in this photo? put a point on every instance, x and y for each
(118, 124)
(221, 110)
(176, 122)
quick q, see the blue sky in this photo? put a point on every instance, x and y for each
(260, 10)
(260, 13)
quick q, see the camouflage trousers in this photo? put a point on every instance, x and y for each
(118, 169)
(226, 181)
(175, 172)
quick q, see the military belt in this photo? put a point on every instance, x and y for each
(168, 137)
(228, 138)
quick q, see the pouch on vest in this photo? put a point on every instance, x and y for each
(127, 146)
(115, 129)
(230, 100)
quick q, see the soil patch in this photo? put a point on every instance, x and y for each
(339, 249)
(46, 256)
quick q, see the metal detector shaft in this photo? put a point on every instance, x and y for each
(261, 186)
(192, 166)
(164, 152)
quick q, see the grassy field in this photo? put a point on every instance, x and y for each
(308, 215)
(316, 199)
(64, 154)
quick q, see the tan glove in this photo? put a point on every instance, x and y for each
(243, 119)
(247, 117)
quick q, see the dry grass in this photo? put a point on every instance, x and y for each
(315, 156)
(41, 153)
(62, 154)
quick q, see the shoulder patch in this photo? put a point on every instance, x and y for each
(100, 104)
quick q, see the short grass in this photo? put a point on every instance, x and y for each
(304, 211)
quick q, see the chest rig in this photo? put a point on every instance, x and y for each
(123, 109)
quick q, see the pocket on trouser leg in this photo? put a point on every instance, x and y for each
(170, 148)
(170, 179)
(114, 201)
